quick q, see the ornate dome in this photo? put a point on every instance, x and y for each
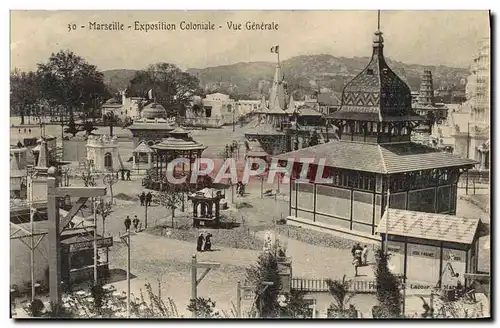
(153, 111)
(377, 93)
(113, 101)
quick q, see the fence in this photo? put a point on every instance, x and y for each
(320, 285)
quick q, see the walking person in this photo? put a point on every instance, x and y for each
(128, 176)
(208, 243)
(364, 254)
(149, 198)
(29, 131)
(136, 223)
(142, 197)
(199, 243)
(24, 130)
(127, 223)
(19, 131)
(357, 260)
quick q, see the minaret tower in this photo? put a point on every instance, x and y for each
(426, 94)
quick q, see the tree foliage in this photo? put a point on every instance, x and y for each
(69, 81)
(111, 120)
(204, 308)
(172, 88)
(87, 126)
(314, 141)
(72, 128)
(388, 288)
(25, 92)
(258, 275)
(340, 290)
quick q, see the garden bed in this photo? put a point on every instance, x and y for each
(235, 237)
(316, 238)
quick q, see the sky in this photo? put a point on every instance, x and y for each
(448, 38)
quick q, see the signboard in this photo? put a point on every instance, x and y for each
(397, 258)
(89, 244)
(423, 264)
(453, 267)
(248, 295)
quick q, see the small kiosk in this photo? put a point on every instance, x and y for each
(430, 250)
(207, 201)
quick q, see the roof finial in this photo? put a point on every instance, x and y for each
(378, 20)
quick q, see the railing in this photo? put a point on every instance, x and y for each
(320, 285)
(24, 204)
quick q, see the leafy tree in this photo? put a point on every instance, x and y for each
(314, 139)
(36, 308)
(204, 308)
(169, 198)
(104, 209)
(388, 288)
(431, 119)
(88, 127)
(69, 81)
(25, 92)
(111, 120)
(296, 305)
(172, 88)
(340, 290)
(266, 271)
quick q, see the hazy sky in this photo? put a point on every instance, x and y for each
(421, 37)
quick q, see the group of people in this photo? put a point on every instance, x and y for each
(360, 256)
(19, 131)
(146, 198)
(129, 222)
(204, 243)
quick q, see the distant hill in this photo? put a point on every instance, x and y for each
(302, 73)
(118, 79)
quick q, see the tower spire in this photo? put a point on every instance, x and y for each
(378, 20)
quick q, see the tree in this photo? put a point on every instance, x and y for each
(88, 127)
(111, 120)
(169, 198)
(258, 275)
(104, 210)
(431, 119)
(69, 81)
(25, 92)
(314, 139)
(295, 305)
(340, 290)
(72, 127)
(172, 88)
(388, 288)
(204, 308)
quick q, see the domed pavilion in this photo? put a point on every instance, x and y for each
(152, 127)
(347, 185)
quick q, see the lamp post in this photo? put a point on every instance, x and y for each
(467, 173)
(126, 239)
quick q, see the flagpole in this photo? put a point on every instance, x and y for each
(387, 222)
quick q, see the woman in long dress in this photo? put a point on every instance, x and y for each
(199, 244)
(208, 243)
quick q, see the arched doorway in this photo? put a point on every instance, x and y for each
(108, 161)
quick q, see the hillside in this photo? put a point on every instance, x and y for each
(118, 79)
(303, 74)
